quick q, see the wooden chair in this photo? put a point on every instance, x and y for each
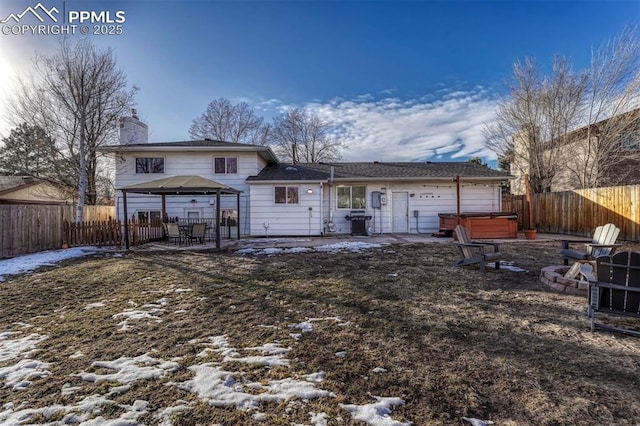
(602, 244)
(197, 232)
(173, 232)
(475, 252)
(616, 289)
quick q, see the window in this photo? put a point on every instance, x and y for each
(286, 195)
(146, 216)
(352, 197)
(225, 165)
(150, 165)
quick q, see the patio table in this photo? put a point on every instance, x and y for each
(185, 233)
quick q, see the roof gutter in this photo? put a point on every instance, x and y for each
(421, 178)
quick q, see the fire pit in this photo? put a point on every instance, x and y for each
(553, 276)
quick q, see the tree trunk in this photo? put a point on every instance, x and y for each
(82, 173)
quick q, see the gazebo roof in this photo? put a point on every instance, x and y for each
(180, 185)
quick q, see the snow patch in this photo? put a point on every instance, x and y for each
(10, 349)
(31, 262)
(378, 413)
(129, 370)
(19, 376)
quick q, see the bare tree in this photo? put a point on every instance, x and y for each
(77, 95)
(300, 136)
(572, 126)
(611, 125)
(531, 122)
(227, 122)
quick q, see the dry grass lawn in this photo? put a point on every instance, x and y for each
(454, 342)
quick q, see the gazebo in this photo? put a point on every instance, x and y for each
(181, 185)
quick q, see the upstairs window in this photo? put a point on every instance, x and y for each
(225, 165)
(150, 165)
(286, 195)
(352, 197)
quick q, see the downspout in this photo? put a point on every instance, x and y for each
(330, 225)
(321, 210)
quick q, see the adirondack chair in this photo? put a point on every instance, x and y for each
(616, 289)
(173, 232)
(198, 232)
(475, 252)
(602, 244)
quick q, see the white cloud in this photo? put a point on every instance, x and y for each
(393, 129)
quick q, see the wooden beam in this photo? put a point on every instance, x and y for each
(458, 198)
(237, 215)
(126, 221)
(218, 219)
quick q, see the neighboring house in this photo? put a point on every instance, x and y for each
(303, 199)
(28, 190)
(577, 154)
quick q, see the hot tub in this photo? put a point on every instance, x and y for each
(481, 224)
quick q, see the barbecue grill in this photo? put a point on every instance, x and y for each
(358, 219)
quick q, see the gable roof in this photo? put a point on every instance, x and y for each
(180, 185)
(13, 183)
(376, 170)
(193, 146)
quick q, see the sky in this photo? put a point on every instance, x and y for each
(399, 80)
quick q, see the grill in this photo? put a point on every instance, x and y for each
(358, 219)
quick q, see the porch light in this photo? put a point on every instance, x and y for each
(309, 191)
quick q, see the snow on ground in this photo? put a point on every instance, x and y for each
(19, 376)
(213, 382)
(352, 246)
(507, 265)
(10, 349)
(377, 414)
(129, 370)
(133, 315)
(217, 386)
(75, 413)
(30, 262)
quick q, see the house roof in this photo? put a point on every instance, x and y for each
(193, 146)
(377, 171)
(13, 183)
(180, 185)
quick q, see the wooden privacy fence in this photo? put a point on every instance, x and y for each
(32, 228)
(580, 211)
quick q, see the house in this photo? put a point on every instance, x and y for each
(400, 197)
(577, 154)
(277, 199)
(28, 190)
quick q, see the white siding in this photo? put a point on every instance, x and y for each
(428, 199)
(188, 163)
(286, 219)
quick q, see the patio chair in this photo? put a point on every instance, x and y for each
(475, 252)
(173, 232)
(197, 232)
(602, 244)
(616, 291)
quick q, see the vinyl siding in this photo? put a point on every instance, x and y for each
(285, 219)
(429, 199)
